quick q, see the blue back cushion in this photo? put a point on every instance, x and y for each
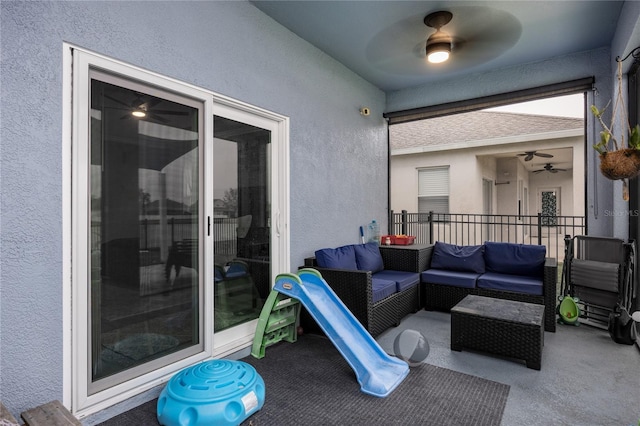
(458, 258)
(337, 258)
(368, 257)
(515, 259)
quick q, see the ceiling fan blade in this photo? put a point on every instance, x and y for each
(538, 171)
(553, 170)
(479, 34)
(118, 101)
(542, 154)
(152, 102)
(169, 112)
(156, 117)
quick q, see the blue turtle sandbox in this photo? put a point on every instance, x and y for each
(217, 392)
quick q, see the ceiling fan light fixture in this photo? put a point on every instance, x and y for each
(438, 43)
(438, 51)
(138, 113)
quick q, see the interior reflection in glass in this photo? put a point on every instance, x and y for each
(144, 228)
(241, 231)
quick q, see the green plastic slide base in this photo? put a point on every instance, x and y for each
(278, 321)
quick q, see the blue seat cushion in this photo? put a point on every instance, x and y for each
(337, 258)
(218, 273)
(458, 258)
(515, 259)
(368, 257)
(403, 279)
(237, 269)
(382, 288)
(515, 283)
(452, 278)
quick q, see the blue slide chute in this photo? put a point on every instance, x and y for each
(377, 372)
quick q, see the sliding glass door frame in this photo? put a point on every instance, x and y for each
(76, 226)
(227, 341)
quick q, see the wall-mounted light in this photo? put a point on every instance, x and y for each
(438, 43)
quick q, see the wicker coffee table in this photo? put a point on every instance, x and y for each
(501, 327)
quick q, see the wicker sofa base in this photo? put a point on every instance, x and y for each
(354, 288)
(438, 297)
(507, 335)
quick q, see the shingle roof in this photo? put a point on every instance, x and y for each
(475, 126)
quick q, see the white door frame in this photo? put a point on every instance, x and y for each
(76, 64)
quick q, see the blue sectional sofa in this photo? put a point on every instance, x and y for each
(503, 270)
(379, 285)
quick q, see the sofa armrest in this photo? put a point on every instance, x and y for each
(414, 258)
(550, 278)
(353, 287)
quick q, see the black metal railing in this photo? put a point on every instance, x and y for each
(152, 233)
(474, 229)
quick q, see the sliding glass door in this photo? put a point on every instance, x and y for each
(250, 193)
(242, 209)
(178, 224)
(145, 228)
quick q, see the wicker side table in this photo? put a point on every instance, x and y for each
(501, 327)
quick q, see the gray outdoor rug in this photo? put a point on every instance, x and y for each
(309, 383)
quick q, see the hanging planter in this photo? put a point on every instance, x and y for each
(619, 158)
(623, 163)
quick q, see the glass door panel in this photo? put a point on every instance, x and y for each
(242, 212)
(145, 307)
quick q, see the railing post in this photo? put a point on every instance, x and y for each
(539, 229)
(145, 225)
(430, 219)
(404, 223)
(391, 224)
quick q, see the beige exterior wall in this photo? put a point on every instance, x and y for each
(468, 167)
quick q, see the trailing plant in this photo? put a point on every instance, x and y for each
(607, 136)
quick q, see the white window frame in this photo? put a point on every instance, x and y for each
(76, 64)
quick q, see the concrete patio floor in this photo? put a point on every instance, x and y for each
(586, 378)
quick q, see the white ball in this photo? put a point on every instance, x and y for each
(411, 346)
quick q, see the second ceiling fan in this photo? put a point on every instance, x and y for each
(549, 168)
(528, 155)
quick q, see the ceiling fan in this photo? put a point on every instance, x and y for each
(140, 108)
(549, 168)
(472, 34)
(528, 155)
(438, 43)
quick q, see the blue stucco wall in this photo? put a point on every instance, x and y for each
(338, 157)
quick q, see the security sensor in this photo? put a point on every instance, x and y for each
(365, 111)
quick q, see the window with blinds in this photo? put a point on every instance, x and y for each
(433, 190)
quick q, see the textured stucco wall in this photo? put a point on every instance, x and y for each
(338, 157)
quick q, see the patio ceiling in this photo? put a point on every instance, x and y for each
(384, 41)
